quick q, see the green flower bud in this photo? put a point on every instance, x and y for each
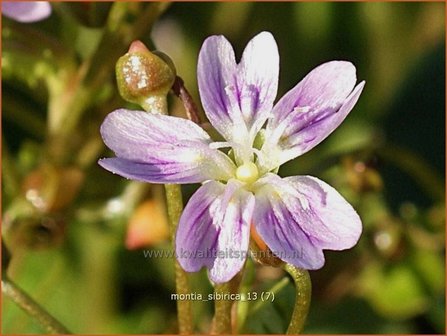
(145, 77)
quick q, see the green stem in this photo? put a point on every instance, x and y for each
(174, 203)
(222, 323)
(222, 310)
(32, 308)
(302, 300)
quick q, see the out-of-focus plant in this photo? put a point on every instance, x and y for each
(64, 220)
(69, 68)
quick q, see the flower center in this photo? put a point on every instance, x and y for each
(247, 173)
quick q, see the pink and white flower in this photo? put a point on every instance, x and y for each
(239, 186)
(26, 11)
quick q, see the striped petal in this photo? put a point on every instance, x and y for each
(300, 216)
(197, 234)
(238, 98)
(312, 110)
(214, 230)
(161, 149)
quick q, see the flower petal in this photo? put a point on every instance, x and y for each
(161, 149)
(329, 218)
(214, 230)
(258, 74)
(235, 216)
(197, 233)
(319, 128)
(300, 216)
(26, 11)
(216, 71)
(326, 86)
(157, 171)
(313, 109)
(238, 98)
(278, 228)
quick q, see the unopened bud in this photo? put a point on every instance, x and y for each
(144, 77)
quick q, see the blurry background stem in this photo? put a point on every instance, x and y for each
(303, 288)
(32, 308)
(421, 172)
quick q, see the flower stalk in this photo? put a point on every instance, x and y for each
(223, 324)
(146, 78)
(222, 310)
(32, 308)
(303, 287)
(174, 203)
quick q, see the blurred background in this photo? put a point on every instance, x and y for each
(77, 234)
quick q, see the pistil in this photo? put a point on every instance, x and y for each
(248, 172)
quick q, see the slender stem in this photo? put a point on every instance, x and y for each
(155, 104)
(175, 207)
(180, 91)
(222, 309)
(174, 203)
(32, 308)
(223, 306)
(303, 287)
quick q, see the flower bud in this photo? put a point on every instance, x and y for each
(144, 77)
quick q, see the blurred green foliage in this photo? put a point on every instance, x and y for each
(65, 219)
